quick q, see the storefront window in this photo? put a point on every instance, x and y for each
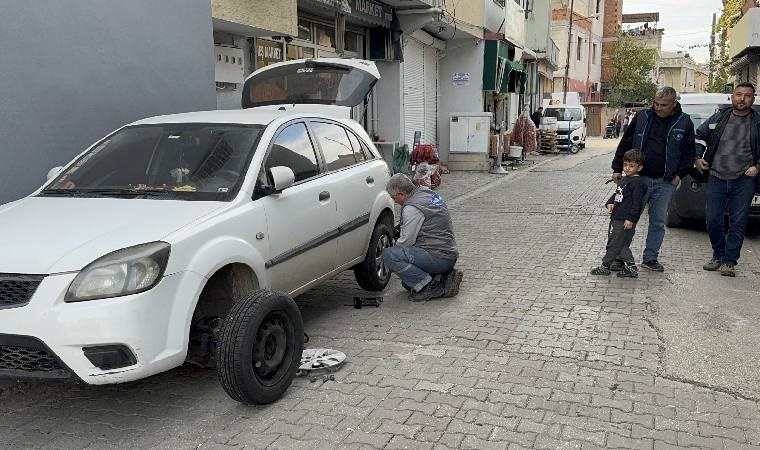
(325, 36)
(304, 30)
(298, 52)
(353, 42)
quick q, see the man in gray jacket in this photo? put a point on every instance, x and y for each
(426, 251)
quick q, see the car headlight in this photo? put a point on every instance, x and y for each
(127, 271)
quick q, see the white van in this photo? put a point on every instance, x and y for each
(571, 125)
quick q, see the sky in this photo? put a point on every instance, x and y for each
(686, 22)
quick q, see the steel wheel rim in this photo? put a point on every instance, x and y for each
(380, 267)
(270, 354)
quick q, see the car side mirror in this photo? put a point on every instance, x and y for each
(584, 120)
(282, 178)
(53, 172)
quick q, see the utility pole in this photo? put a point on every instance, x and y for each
(567, 62)
(712, 53)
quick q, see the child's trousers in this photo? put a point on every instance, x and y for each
(619, 243)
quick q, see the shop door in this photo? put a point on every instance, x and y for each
(430, 135)
(594, 121)
(414, 90)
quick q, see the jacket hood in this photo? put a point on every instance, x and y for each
(44, 235)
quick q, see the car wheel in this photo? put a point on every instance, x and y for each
(372, 274)
(573, 148)
(672, 219)
(260, 348)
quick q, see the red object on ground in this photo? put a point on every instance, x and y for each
(428, 153)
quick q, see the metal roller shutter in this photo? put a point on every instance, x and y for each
(430, 135)
(414, 89)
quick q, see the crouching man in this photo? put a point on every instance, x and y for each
(426, 251)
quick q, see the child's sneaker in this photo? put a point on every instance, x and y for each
(601, 270)
(629, 271)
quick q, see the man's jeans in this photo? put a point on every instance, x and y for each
(657, 199)
(414, 265)
(736, 196)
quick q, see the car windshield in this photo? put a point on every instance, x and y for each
(563, 114)
(700, 113)
(167, 161)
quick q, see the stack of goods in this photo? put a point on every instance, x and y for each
(524, 134)
(547, 135)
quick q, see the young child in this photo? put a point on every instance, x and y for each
(625, 207)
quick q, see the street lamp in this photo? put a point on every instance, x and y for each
(569, 44)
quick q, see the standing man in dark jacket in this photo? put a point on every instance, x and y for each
(732, 156)
(666, 136)
(536, 116)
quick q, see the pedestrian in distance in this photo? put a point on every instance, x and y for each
(425, 252)
(666, 136)
(624, 207)
(536, 116)
(728, 149)
(626, 119)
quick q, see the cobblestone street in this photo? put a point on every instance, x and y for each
(532, 353)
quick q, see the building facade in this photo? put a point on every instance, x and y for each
(612, 21)
(546, 54)
(678, 69)
(580, 46)
(744, 48)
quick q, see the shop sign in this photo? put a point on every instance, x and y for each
(368, 10)
(461, 79)
(267, 52)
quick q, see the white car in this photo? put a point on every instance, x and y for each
(184, 237)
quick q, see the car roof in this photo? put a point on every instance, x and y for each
(252, 116)
(703, 99)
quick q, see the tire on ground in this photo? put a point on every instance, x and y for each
(368, 275)
(260, 347)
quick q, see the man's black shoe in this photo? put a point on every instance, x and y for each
(616, 265)
(653, 265)
(628, 271)
(433, 289)
(451, 281)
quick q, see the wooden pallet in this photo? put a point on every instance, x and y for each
(546, 141)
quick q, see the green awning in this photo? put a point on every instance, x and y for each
(511, 76)
(495, 54)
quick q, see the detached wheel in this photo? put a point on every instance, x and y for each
(672, 219)
(260, 347)
(372, 274)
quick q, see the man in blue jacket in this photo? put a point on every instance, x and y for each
(666, 136)
(732, 157)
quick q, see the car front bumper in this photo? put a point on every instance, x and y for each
(47, 338)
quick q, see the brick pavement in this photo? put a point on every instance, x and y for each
(533, 353)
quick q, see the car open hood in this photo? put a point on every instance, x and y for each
(44, 235)
(321, 81)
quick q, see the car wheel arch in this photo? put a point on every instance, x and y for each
(217, 296)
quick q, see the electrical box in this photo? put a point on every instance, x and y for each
(229, 64)
(469, 132)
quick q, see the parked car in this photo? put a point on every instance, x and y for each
(688, 202)
(184, 237)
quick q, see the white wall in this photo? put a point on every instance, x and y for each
(73, 71)
(460, 56)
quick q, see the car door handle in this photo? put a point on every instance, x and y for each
(370, 180)
(324, 196)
